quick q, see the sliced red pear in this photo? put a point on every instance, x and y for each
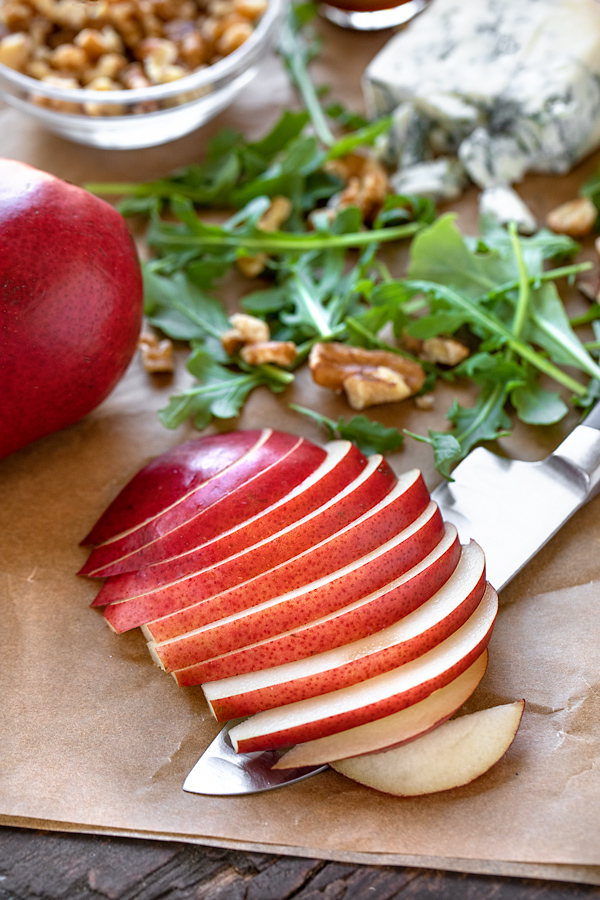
(169, 478)
(266, 473)
(342, 465)
(455, 754)
(405, 640)
(371, 485)
(381, 696)
(390, 731)
(350, 623)
(284, 611)
(257, 574)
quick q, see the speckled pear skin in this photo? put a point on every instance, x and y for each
(71, 303)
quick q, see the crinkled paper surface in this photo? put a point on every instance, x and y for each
(96, 738)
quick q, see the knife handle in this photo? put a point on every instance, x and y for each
(582, 449)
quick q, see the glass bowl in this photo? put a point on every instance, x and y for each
(144, 117)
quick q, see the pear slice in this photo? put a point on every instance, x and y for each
(452, 755)
(390, 731)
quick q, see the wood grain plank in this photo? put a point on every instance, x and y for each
(40, 865)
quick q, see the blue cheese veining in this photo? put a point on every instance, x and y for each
(502, 87)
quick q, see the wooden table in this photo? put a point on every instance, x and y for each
(38, 865)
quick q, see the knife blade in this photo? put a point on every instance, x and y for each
(221, 771)
(512, 508)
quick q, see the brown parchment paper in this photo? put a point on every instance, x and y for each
(95, 738)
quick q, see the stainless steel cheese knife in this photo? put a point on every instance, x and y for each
(510, 507)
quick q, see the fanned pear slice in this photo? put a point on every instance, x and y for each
(251, 612)
(456, 753)
(380, 651)
(391, 731)
(170, 478)
(383, 695)
(377, 610)
(270, 470)
(343, 464)
(274, 567)
(345, 529)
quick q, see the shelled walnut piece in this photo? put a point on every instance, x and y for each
(251, 338)
(121, 44)
(157, 355)
(443, 350)
(366, 184)
(575, 218)
(368, 377)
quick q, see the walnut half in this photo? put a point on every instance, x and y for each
(368, 377)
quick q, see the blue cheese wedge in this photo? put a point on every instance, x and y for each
(506, 87)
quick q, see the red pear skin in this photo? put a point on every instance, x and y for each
(269, 472)
(390, 701)
(365, 534)
(383, 650)
(168, 479)
(312, 601)
(230, 586)
(351, 623)
(262, 527)
(272, 568)
(390, 731)
(71, 307)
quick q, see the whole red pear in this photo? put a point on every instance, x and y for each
(70, 307)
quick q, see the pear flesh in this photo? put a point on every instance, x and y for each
(452, 755)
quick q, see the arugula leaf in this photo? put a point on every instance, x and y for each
(370, 437)
(496, 286)
(221, 393)
(348, 118)
(485, 421)
(363, 137)
(226, 177)
(183, 311)
(440, 255)
(536, 405)
(551, 329)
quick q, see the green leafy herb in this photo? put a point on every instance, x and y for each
(499, 291)
(221, 392)
(370, 437)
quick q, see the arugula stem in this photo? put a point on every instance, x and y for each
(304, 349)
(550, 275)
(494, 326)
(276, 374)
(163, 189)
(294, 58)
(523, 299)
(375, 341)
(284, 242)
(590, 316)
